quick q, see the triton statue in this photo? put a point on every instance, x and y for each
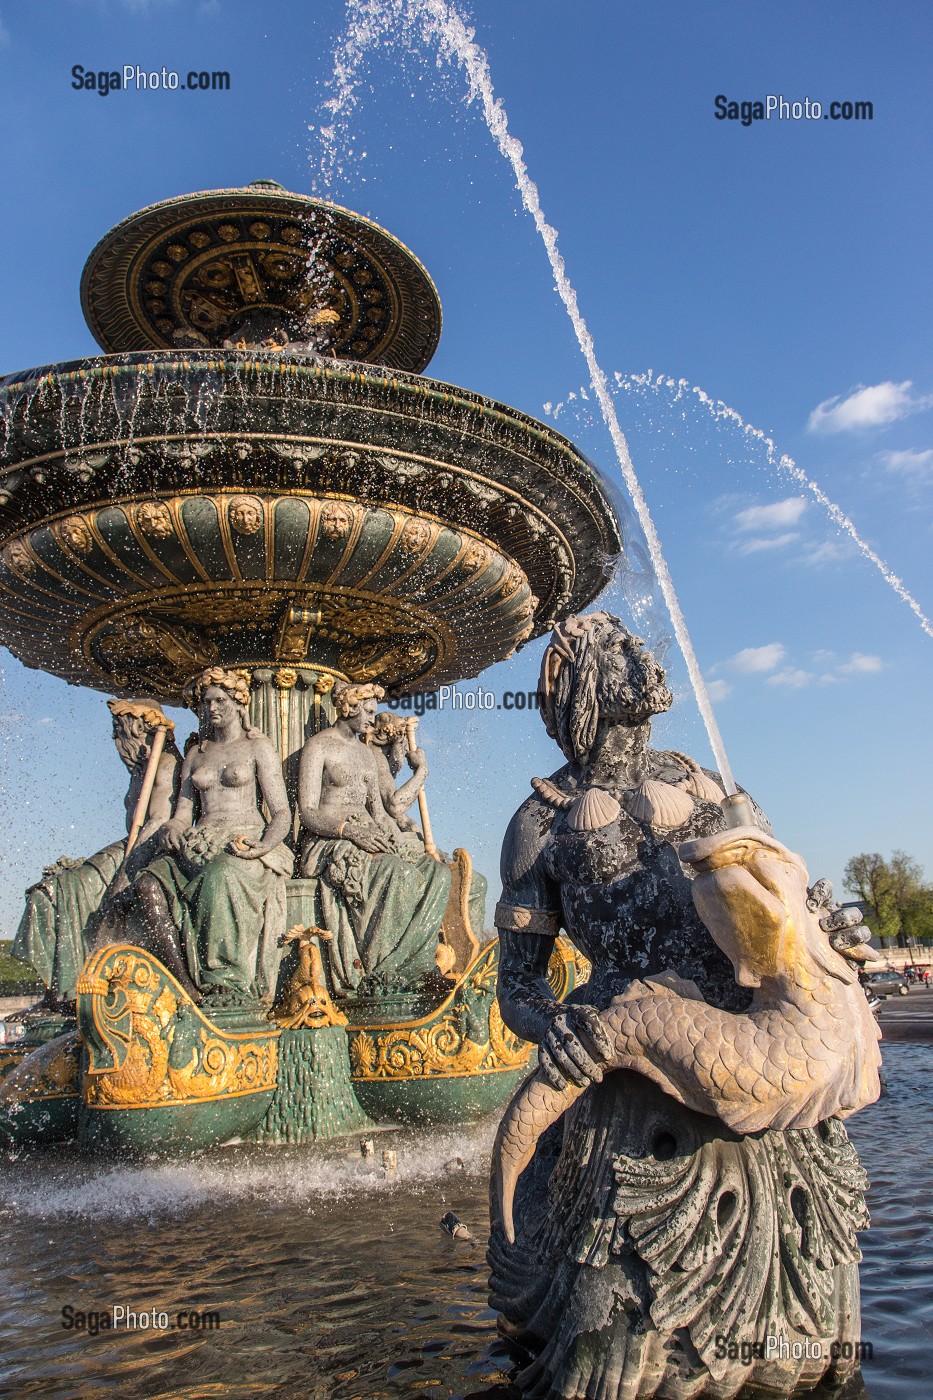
(700, 1185)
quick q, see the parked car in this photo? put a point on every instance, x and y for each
(885, 984)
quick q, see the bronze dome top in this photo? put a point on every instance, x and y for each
(255, 265)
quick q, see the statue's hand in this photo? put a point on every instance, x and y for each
(246, 848)
(171, 836)
(417, 760)
(368, 836)
(575, 1049)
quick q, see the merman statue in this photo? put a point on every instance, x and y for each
(59, 924)
(674, 1184)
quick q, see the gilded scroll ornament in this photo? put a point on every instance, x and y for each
(149, 1045)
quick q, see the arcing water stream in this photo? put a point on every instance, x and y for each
(679, 389)
(441, 25)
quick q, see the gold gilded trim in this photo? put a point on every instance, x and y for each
(466, 1034)
(149, 1046)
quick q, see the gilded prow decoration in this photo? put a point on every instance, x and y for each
(148, 1044)
(463, 1036)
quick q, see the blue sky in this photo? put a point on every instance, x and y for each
(782, 267)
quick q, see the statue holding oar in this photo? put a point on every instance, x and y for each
(60, 922)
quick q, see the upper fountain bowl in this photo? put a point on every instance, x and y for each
(259, 475)
(260, 266)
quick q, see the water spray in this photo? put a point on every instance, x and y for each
(442, 24)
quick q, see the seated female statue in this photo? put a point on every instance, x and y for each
(379, 893)
(57, 929)
(213, 906)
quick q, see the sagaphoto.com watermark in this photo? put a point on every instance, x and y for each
(95, 1319)
(777, 107)
(132, 78)
(451, 697)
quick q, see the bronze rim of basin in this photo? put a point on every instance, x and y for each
(163, 512)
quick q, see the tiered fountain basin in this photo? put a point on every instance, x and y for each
(256, 475)
(165, 511)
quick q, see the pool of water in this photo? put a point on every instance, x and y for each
(332, 1279)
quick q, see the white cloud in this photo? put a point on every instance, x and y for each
(909, 462)
(753, 660)
(829, 552)
(859, 664)
(771, 517)
(718, 690)
(868, 406)
(792, 676)
(767, 542)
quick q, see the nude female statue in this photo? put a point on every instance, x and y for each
(380, 895)
(57, 930)
(645, 1230)
(213, 906)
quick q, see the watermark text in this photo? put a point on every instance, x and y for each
(132, 78)
(776, 107)
(118, 1317)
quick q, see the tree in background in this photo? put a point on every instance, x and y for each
(898, 902)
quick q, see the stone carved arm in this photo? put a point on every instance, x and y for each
(162, 800)
(402, 797)
(396, 801)
(171, 833)
(361, 826)
(572, 1043)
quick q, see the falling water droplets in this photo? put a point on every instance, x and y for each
(681, 390)
(442, 26)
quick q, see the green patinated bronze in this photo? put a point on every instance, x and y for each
(314, 1099)
(228, 488)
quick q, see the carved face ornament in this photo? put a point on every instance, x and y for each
(246, 515)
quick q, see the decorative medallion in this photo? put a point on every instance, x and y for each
(336, 520)
(154, 519)
(415, 536)
(74, 533)
(17, 556)
(477, 556)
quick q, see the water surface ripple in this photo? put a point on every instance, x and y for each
(333, 1281)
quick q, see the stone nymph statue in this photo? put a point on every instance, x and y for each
(691, 1190)
(212, 905)
(377, 890)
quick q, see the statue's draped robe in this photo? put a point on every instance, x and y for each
(230, 913)
(646, 1231)
(384, 911)
(54, 933)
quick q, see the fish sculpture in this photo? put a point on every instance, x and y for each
(804, 1051)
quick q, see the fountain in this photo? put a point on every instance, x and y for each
(225, 509)
(255, 502)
